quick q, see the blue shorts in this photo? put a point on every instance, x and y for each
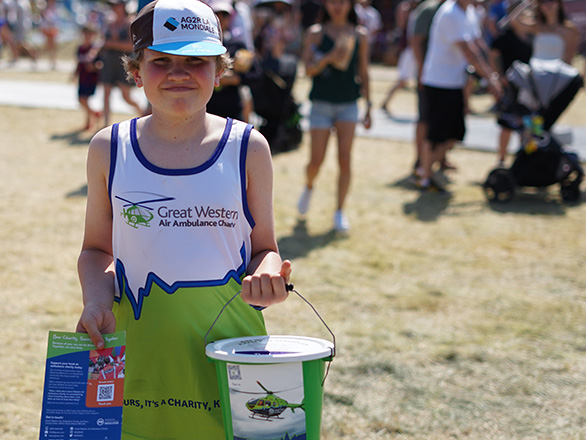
(325, 114)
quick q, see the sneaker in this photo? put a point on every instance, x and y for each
(433, 187)
(303, 204)
(341, 223)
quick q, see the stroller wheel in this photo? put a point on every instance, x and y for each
(499, 185)
(570, 187)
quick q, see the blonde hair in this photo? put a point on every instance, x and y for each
(132, 63)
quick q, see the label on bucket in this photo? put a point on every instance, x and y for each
(267, 401)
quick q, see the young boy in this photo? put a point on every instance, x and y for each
(86, 72)
(179, 219)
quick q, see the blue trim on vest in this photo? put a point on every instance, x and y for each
(152, 279)
(181, 171)
(243, 154)
(113, 156)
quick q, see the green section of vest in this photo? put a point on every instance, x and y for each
(171, 389)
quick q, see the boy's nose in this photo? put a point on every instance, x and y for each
(178, 70)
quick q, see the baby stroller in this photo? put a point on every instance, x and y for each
(537, 96)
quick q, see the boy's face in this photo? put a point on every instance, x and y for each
(177, 83)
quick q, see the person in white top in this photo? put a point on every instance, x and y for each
(370, 18)
(452, 47)
(555, 36)
(406, 65)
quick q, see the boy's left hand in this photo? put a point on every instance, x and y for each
(266, 289)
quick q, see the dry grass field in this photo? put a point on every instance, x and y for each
(454, 319)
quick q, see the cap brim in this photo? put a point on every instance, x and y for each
(199, 49)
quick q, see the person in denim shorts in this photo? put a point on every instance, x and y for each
(335, 55)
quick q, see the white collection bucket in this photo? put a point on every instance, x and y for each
(271, 387)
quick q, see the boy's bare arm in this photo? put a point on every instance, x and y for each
(95, 264)
(268, 274)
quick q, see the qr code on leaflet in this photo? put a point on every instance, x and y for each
(105, 393)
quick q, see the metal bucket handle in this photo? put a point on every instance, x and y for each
(289, 288)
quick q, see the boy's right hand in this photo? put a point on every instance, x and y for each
(95, 321)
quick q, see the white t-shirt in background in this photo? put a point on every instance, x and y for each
(445, 64)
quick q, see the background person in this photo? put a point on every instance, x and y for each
(87, 72)
(335, 55)
(49, 26)
(228, 99)
(406, 64)
(371, 19)
(509, 45)
(423, 17)
(554, 36)
(453, 46)
(19, 20)
(117, 43)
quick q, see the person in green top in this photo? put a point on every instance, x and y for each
(424, 14)
(336, 56)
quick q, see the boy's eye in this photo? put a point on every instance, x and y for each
(194, 60)
(161, 60)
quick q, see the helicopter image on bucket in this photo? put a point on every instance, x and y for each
(137, 213)
(270, 406)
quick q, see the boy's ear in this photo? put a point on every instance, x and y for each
(137, 78)
(218, 77)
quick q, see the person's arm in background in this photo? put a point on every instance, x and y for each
(474, 56)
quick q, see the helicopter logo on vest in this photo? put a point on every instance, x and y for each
(139, 213)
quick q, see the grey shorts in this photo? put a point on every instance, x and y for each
(113, 72)
(325, 114)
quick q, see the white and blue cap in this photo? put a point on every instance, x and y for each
(178, 27)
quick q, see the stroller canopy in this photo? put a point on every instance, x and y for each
(545, 86)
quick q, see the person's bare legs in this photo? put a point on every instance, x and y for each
(91, 116)
(345, 133)
(51, 47)
(401, 84)
(420, 139)
(107, 93)
(83, 101)
(431, 155)
(125, 89)
(319, 144)
(504, 137)
(426, 161)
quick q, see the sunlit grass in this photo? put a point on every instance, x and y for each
(453, 319)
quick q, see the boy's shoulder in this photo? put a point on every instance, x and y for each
(101, 142)
(103, 138)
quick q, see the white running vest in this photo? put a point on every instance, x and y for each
(178, 227)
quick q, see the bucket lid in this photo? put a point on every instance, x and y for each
(270, 349)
